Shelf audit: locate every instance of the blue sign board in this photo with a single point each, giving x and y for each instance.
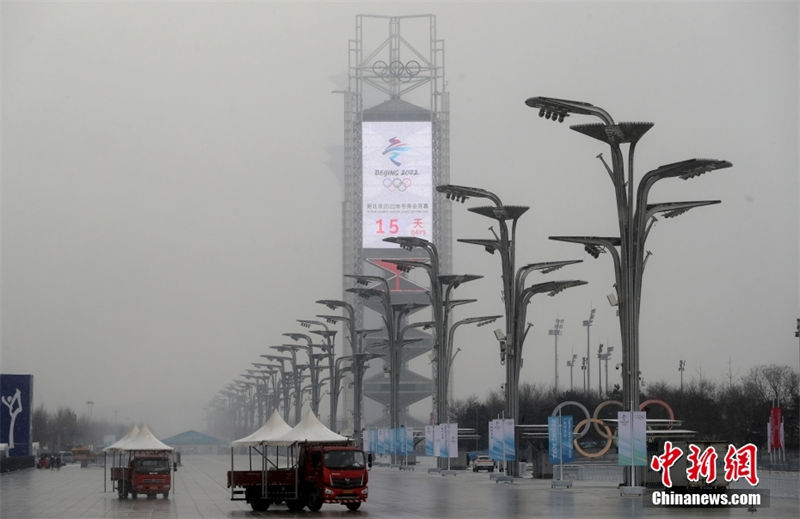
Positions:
(16, 401)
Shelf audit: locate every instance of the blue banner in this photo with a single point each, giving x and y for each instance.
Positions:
(496, 440)
(559, 432)
(501, 440)
(16, 401)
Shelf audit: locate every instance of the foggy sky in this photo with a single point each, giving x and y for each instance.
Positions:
(172, 183)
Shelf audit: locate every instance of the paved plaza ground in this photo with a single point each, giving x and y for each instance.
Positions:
(74, 492)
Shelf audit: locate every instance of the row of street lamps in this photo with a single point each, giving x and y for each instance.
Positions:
(636, 218)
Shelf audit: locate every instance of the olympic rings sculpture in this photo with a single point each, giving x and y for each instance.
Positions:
(598, 422)
(404, 72)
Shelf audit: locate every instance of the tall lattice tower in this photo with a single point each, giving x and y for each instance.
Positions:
(396, 137)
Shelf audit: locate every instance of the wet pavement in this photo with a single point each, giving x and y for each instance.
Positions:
(200, 492)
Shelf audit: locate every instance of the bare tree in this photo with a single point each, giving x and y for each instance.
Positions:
(775, 384)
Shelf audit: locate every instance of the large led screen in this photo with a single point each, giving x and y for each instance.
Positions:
(397, 181)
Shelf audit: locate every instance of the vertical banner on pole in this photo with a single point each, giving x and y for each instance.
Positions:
(497, 442)
(632, 434)
(437, 440)
(508, 440)
(452, 440)
(382, 434)
(625, 435)
(409, 442)
(567, 449)
(365, 440)
(559, 429)
(774, 429)
(441, 437)
(554, 439)
(640, 438)
(429, 440)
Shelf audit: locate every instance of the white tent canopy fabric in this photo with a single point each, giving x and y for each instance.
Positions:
(139, 439)
(272, 429)
(119, 444)
(310, 429)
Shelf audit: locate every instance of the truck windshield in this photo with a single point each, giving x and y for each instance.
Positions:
(344, 460)
(153, 465)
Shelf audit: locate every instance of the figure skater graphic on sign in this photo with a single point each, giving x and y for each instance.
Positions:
(14, 404)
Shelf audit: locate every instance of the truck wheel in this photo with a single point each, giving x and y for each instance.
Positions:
(133, 495)
(259, 505)
(295, 505)
(315, 500)
(166, 495)
(353, 506)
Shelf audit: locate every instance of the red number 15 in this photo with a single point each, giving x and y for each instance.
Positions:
(394, 227)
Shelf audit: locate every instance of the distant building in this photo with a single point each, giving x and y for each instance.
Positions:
(195, 442)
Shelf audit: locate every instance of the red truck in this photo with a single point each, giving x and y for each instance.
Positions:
(148, 472)
(321, 473)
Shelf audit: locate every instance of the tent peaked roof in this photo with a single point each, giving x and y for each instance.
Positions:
(144, 441)
(272, 429)
(310, 429)
(120, 444)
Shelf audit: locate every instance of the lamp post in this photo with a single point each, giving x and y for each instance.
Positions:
(350, 321)
(555, 332)
(330, 338)
(271, 371)
(409, 243)
(395, 358)
(504, 244)
(360, 366)
(635, 219)
(604, 357)
(312, 368)
(588, 324)
(584, 361)
(511, 342)
(248, 402)
(296, 370)
(287, 377)
(392, 317)
(449, 355)
(440, 293)
(681, 367)
(571, 364)
(260, 394)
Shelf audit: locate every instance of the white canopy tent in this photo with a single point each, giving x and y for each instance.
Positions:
(310, 429)
(138, 439)
(272, 429)
(119, 444)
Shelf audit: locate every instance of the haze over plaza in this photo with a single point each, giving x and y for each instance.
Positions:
(172, 181)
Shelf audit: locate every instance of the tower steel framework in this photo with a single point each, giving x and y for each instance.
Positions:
(395, 73)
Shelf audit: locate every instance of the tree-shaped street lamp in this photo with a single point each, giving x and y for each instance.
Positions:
(635, 219)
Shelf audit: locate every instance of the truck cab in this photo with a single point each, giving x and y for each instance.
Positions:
(148, 474)
(334, 474)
